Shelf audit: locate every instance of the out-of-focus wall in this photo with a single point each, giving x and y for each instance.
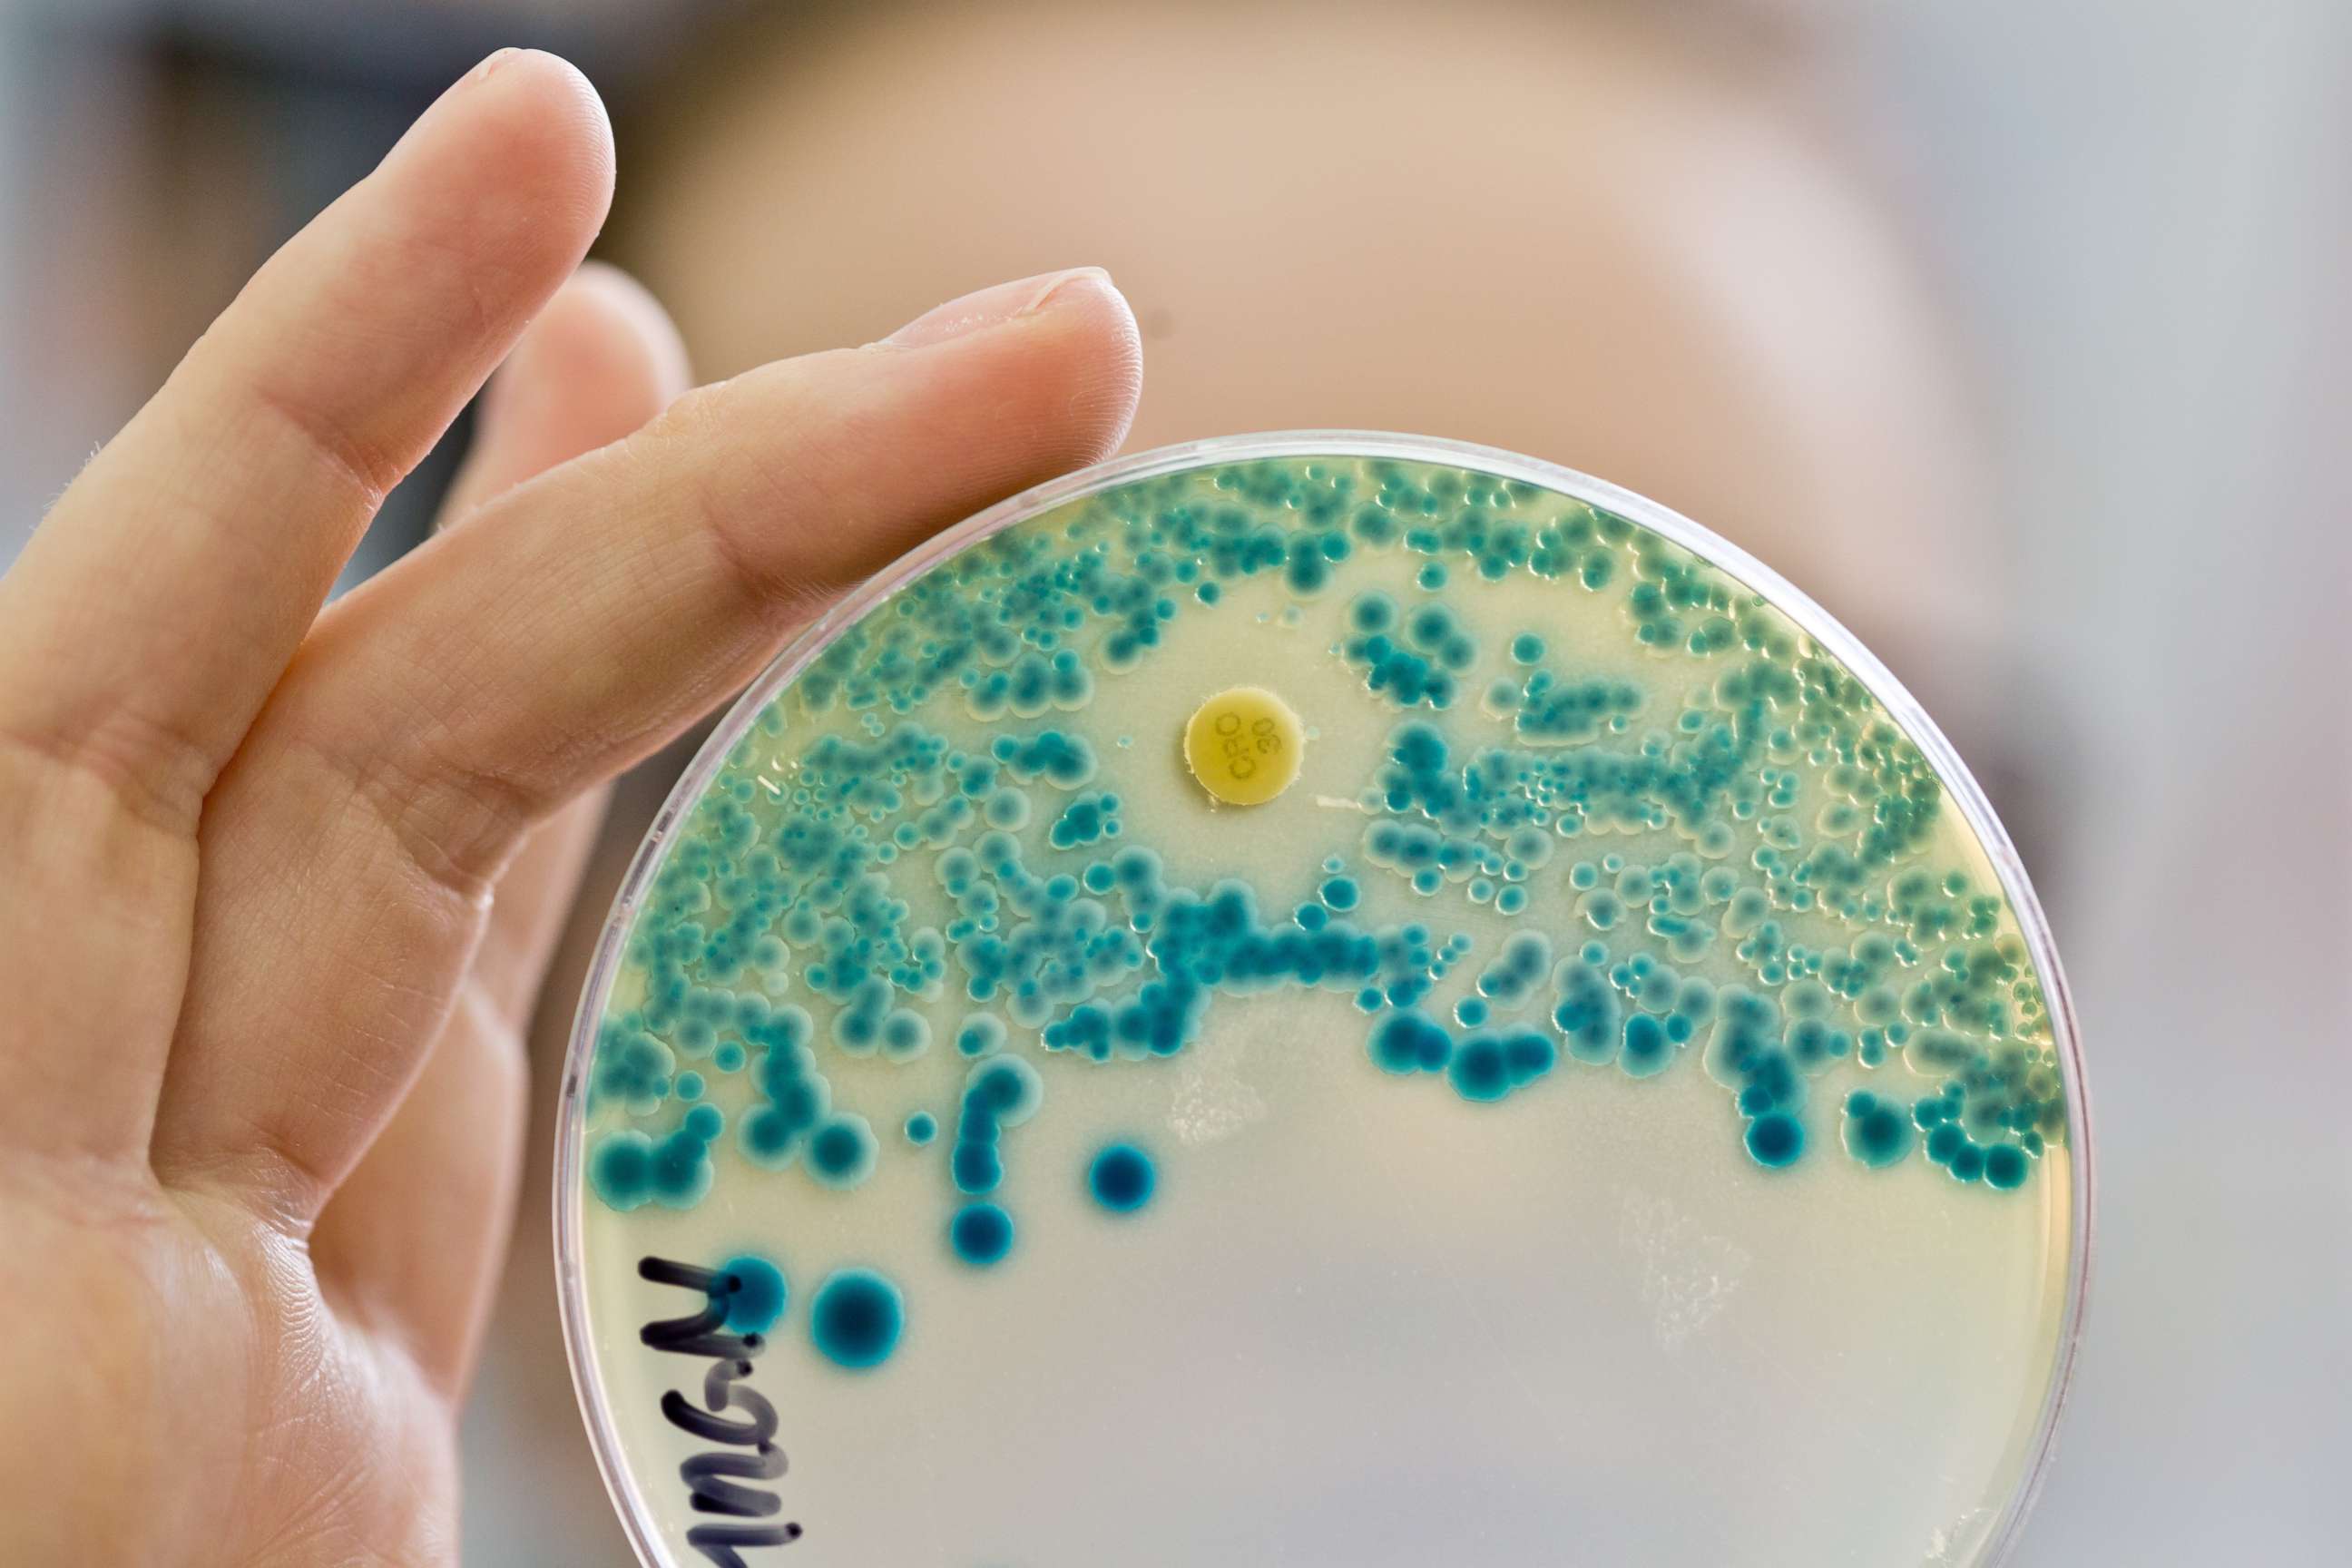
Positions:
(153, 152)
(2145, 211)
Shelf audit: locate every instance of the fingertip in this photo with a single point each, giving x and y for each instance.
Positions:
(599, 362)
(1104, 351)
(603, 349)
(624, 311)
(887, 447)
(553, 106)
(1057, 357)
(1066, 372)
(528, 126)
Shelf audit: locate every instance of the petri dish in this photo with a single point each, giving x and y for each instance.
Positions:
(1324, 998)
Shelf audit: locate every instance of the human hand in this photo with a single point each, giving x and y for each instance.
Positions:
(279, 883)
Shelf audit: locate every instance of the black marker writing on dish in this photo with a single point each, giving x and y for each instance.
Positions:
(717, 1480)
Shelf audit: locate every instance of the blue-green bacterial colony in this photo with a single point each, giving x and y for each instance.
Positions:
(756, 1294)
(1122, 1178)
(927, 846)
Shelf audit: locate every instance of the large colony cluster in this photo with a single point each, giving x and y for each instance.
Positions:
(1738, 858)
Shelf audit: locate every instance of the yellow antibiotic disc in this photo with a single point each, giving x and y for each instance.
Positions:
(1244, 745)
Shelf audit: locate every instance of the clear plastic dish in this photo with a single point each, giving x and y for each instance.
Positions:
(1324, 998)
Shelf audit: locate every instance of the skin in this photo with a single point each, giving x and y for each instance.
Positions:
(280, 881)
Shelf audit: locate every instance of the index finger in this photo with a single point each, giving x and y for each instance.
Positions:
(161, 599)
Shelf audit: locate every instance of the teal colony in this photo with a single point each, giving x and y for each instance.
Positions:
(1122, 1178)
(855, 1319)
(756, 1293)
(1756, 876)
(981, 1234)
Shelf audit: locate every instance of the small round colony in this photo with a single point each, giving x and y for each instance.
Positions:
(856, 1318)
(1121, 1178)
(755, 1293)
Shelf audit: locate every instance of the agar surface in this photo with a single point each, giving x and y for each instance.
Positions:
(938, 843)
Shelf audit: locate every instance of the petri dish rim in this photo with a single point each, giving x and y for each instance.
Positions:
(1817, 623)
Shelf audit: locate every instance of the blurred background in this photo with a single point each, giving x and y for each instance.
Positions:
(2019, 332)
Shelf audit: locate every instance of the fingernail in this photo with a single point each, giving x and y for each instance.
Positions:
(993, 307)
(474, 77)
(490, 65)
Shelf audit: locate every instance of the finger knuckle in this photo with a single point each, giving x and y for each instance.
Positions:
(448, 817)
(150, 770)
(761, 502)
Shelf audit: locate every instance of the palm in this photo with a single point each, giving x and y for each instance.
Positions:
(201, 1324)
(276, 885)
